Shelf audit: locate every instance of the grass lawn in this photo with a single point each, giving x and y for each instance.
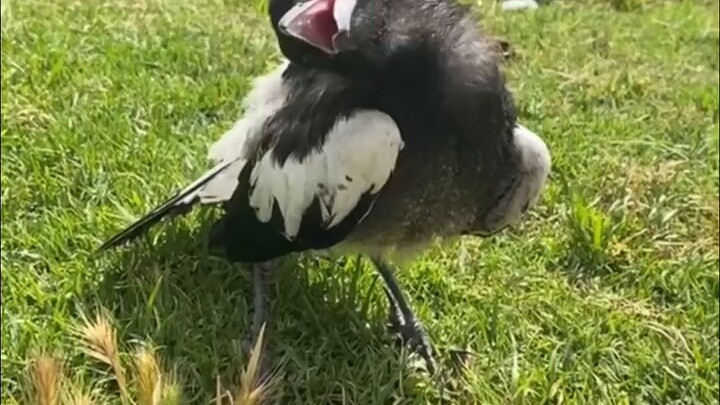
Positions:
(607, 293)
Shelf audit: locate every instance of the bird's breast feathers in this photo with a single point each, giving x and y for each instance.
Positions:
(356, 158)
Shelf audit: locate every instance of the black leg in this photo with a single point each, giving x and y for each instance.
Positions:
(261, 312)
(402, 319)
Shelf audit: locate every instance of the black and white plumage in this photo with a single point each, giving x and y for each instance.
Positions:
(278, 204)
(382, 132)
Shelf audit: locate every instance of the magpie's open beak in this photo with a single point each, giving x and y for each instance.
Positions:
(324, 24)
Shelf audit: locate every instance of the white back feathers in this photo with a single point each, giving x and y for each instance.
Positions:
(358, 156)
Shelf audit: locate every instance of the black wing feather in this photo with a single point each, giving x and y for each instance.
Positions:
(180, 203)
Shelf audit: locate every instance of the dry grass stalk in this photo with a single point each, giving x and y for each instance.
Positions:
(253, 391)
(45, 379)
(98, 338)
(218, 391)
(99, 341)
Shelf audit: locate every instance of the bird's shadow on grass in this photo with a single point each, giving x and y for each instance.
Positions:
(327, 330)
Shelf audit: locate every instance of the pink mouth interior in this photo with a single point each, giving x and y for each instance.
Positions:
(318, 26)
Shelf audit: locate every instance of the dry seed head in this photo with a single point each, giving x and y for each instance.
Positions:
(45, 379)
(149, 377)
(99, 341)
(253, 391)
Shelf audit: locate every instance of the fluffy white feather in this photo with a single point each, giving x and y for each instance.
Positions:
(536, 162)
(533, 170)
(358, 156)
(266, 96)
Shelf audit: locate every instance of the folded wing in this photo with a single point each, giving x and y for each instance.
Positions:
(273, 207)
(313, 201)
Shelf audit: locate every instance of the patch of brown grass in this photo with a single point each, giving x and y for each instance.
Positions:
(145, 383)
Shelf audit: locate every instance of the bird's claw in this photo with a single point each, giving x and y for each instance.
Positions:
(411, 333)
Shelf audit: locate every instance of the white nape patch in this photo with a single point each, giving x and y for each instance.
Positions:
(358, 156)
(267, 95)
(533, 170)
(342, 13)
(536, 160)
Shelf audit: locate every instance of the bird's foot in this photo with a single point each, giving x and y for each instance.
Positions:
(411, 333)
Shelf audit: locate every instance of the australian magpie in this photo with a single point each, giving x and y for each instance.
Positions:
(389, 125)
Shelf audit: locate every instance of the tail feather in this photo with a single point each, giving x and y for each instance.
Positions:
(179, 204)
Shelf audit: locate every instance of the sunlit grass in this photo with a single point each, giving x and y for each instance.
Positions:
(607, 293)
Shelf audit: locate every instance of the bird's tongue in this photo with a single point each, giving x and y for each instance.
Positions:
(312, 22)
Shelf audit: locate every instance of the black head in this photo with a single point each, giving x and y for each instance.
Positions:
(342, 35)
